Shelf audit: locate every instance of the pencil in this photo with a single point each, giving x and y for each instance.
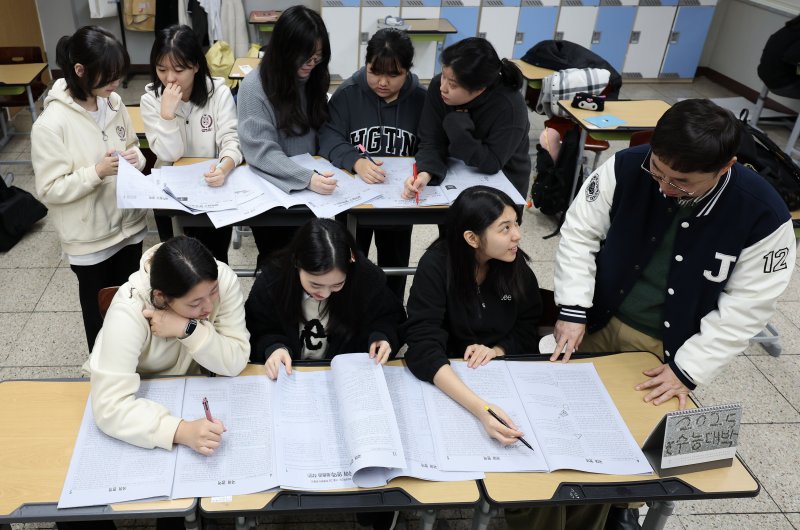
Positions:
(416, 193)
(495, 416)
(364, 152)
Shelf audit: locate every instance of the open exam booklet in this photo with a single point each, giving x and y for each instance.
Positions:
(357, 424)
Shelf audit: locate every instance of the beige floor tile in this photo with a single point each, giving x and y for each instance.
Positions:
(761, 401)
(245, 256)
(247, 284)
(785, 320)
(10, 326)
(50, 339)
(792, 292)
(794, 519)
(40, 372)
(41, 249)
(61, 293)
(772, 521)
(784, 374)
(22, 288)
(544, 271)
(639, 91)
(762, 503)
(773, 454)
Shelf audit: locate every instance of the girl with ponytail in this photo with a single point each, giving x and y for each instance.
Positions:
(474, 112)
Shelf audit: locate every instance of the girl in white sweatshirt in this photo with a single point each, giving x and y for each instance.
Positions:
(75, 145)
(181, 313)
(187, 113)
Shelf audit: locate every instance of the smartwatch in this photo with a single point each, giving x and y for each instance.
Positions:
(190, 327)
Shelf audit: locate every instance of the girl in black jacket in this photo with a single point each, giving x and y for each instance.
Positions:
(473, 297)
(320, 297)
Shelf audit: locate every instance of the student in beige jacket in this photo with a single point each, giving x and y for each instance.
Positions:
(187, 113)
(75, 145)
(181, 313)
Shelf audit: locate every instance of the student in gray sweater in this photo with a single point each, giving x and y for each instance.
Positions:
(281, 106)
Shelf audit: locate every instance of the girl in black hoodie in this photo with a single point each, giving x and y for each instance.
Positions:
(474, 112)
(320, 297)
(379, 107)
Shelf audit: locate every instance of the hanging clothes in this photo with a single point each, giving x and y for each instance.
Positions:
(234, 26)
(212, 8)
(102, 9)
(166, 13)
(199, 21)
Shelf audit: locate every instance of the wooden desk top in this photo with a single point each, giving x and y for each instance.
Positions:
(429, 25)
(236, 70)
(43, 419)
(638, 115)
(531, 72)
(136, 118)
(620, 373)
(425, 492)
(20, 74)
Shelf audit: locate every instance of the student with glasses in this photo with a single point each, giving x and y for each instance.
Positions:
(676, 249)
(282, 104)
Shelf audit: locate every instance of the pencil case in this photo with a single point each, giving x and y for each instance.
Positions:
(586, 101)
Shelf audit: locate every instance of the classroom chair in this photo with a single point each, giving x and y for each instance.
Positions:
(793, 136)
(16, 96)
(104, 297)
(562, 125)
(640, 138)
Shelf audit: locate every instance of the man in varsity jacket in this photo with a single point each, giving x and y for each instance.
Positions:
(673, 248)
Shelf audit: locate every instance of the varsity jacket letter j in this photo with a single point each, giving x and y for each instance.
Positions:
(724, 268)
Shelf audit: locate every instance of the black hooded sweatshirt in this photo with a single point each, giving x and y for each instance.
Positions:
(360, 116)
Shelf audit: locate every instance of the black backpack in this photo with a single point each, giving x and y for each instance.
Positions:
(758, 152)
(551, 188)
(19, 210)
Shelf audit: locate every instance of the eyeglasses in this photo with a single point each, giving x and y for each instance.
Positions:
(314, 60)
(665, 180)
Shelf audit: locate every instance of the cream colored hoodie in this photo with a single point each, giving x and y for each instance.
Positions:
(66, 143)
(207, 132)
(126, 349)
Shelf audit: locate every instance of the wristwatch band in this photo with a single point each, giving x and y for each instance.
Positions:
(190, 327)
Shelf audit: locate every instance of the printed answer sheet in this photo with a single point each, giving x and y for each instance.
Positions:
(397, 171)
(460, 177)
(349, 191)
(137, 190)
(187, 184)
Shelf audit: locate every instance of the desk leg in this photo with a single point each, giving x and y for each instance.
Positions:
(31, 103)
(190, 521)
(581, 146)
(658, 514)
(483, 514)
(244, 523)
(177, 227)
(793, 138)
(427, 519)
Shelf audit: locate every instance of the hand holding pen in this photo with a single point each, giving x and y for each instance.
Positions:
(203, 435)
(322, 182)
(368, 168)
(509, 434)
(416, 193)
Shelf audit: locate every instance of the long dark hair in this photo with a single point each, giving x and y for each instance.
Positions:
(181, 45)
(178, 265)
(389, 50)
(103, 58)
(475, 210)
(293, 42)
(476, 65)
(317, 247)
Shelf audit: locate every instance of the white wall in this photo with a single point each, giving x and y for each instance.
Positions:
(64, 17)
(738, 32)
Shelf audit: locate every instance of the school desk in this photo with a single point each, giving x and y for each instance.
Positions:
(20, 77)
(620, 373)
(260, 25)
(532, 74)
(236, 70)
(427, 35)
(41, 421)
(638, 115)
(138, 125)
(402, 493)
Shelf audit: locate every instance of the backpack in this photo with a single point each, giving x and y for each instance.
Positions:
(758, 152)
(550, 191)
(19, 210)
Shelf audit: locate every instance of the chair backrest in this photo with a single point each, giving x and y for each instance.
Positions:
(20, 54)
(640, 138)
(104, 297)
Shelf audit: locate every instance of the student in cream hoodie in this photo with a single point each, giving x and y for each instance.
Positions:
(75, 145)
(187, 113)
(181, 313)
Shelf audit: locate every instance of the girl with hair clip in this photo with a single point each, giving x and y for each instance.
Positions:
(180, 313)
(282, 104)
(74, 148)
(474, 112)
(186, 112)
(378, 107)
(473, 297)
(319, 297)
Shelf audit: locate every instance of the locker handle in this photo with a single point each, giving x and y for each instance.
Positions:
(520, 37)
(596, 37)
(364, 37)
(674, 37)
(635, 37)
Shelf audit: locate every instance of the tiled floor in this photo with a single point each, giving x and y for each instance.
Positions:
(41, 336)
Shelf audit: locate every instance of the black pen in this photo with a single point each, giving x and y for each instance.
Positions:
(495, 416)
(365, 153)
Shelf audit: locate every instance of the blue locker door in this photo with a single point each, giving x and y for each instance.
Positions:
(687, 40)
(465, 20)
(612, 32)
(536, 24)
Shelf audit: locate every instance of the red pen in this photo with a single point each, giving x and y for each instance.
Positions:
(416, 193)
(209, 417)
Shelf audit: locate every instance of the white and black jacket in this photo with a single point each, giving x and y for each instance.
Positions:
(730, 262)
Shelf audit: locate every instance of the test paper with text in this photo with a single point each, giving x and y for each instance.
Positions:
(188, 185)
(349, 191)
(136, 190)
(397, 171)
(460, 177)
